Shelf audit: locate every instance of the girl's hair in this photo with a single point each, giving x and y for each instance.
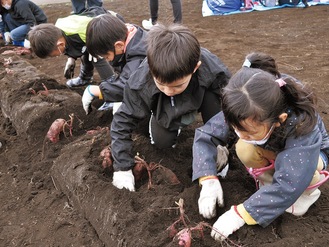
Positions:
(102, 33)
(172, 52)
(259, 60)
(254, 93)
(43, 39)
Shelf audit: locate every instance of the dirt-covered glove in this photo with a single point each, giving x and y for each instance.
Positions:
(124, 179)
(226, 224)
(211, 194)
(222, 157)
(69, 68)
(92, 59)
(87, 98)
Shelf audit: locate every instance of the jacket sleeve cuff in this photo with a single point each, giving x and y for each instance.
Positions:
(100, 95)
(245, 215)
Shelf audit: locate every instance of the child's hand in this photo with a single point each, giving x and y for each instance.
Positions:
(69, 68)
(226, 224)
(124, 180)
(87, 98)
(211, 194)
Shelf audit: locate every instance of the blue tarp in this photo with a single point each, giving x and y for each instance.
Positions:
(207, 11)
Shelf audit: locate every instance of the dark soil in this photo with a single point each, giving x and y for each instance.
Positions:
(57, 194)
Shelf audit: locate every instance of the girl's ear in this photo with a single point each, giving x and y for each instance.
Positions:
(282, 118)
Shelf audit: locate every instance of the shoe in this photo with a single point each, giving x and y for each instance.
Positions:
(77, 82)
(147, 24)
(303, 203)
(18, 43)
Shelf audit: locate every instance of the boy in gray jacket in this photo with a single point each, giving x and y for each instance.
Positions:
(177, 80)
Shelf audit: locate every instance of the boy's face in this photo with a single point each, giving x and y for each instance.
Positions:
(118, 51)
(59, 50)
(175, 87)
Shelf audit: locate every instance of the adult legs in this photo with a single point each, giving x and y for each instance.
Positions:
(93, 3)
(78, 6)
(177, 10)
(154, 7)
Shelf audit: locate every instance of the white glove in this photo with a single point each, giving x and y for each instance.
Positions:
(92, 59)
(226, 224)
(210, 195)
(7, 37)
(87, 98)
(124, 179)
(69, 68)
(222, 157)
(27, 44)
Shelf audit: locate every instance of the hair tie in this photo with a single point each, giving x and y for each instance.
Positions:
(246, 63)
(281, 82)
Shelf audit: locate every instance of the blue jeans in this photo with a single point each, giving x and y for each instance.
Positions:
(79, 6)
(18, 31)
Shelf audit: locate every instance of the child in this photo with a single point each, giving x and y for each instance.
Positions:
(18, 17)
(124, 45)
(282, 142)
(68, 36)
(174, 82)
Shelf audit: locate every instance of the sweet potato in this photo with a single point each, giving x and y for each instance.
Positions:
(55, 129)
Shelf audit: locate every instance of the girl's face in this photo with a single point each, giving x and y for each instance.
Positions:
(255, 131)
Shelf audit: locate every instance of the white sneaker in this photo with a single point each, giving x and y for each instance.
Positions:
(147, 24)
(303, 203)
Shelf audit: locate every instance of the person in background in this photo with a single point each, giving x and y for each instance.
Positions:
(18, 17)
(281, 140)
(154, 7)
(124, 46)
(79, 6)
(177, 80)
(68, 37)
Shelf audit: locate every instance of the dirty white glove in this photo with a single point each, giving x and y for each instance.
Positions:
(211, 194)
(92, 59)
(87, 98)
(124, 179)
(7, 37)
(69, 68)
(226, 224)
(222, 157)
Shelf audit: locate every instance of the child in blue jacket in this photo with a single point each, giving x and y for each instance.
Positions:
(282, 142)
